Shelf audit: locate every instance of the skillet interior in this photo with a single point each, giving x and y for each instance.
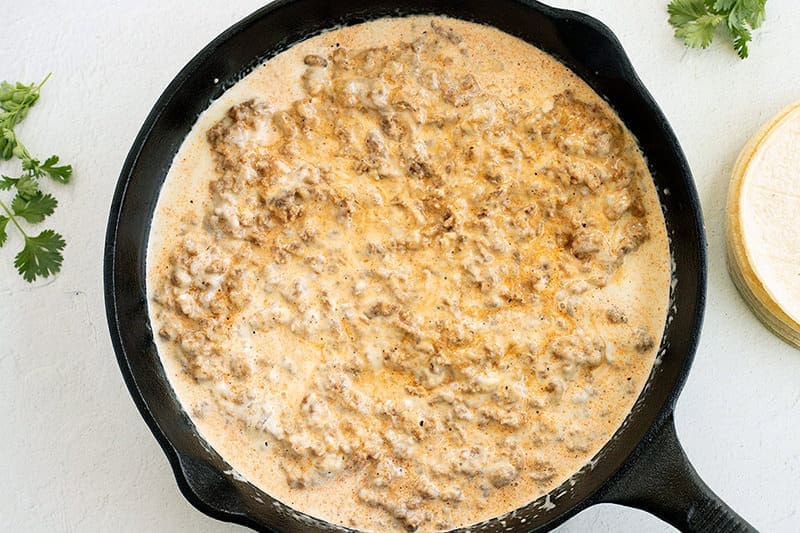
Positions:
(583, 44)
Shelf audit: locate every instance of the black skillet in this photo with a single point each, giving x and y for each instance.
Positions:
(642, 466)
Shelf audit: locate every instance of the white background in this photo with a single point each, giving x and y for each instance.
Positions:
(74, 453)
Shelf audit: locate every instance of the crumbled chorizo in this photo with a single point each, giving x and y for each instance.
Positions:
(643, 341)
(586, 243)
(313, 60)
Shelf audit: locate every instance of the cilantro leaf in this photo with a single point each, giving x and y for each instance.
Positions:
(757, 12)
(741, 36)
(7, 183)
(3, 233)
(724, 5)
(699, 33)
(682, 12)
(27, 186)
(41, 256)
(696, 21)
(35, 208)
(61, 174)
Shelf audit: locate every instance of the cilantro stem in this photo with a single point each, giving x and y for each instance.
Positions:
(13, 218)
(44, 81)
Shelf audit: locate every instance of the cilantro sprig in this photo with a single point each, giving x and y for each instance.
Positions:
(696, 21)
(41, 255)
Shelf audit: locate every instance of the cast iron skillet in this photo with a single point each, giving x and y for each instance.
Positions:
(642, 466)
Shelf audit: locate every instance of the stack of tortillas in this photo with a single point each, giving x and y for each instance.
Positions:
(763, 226)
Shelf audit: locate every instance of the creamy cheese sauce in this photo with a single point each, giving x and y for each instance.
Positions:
(409, 274)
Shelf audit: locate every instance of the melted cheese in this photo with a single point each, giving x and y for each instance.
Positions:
(408, 274)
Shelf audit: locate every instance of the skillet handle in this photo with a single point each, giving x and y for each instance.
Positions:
(662, 481)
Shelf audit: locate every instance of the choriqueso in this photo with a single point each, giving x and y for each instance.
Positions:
(409, 274)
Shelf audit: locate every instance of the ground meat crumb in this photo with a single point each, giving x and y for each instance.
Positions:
(315, 61)
(643, 341)
(615, 316)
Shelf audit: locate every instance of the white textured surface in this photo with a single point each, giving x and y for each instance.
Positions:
(76, 456)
